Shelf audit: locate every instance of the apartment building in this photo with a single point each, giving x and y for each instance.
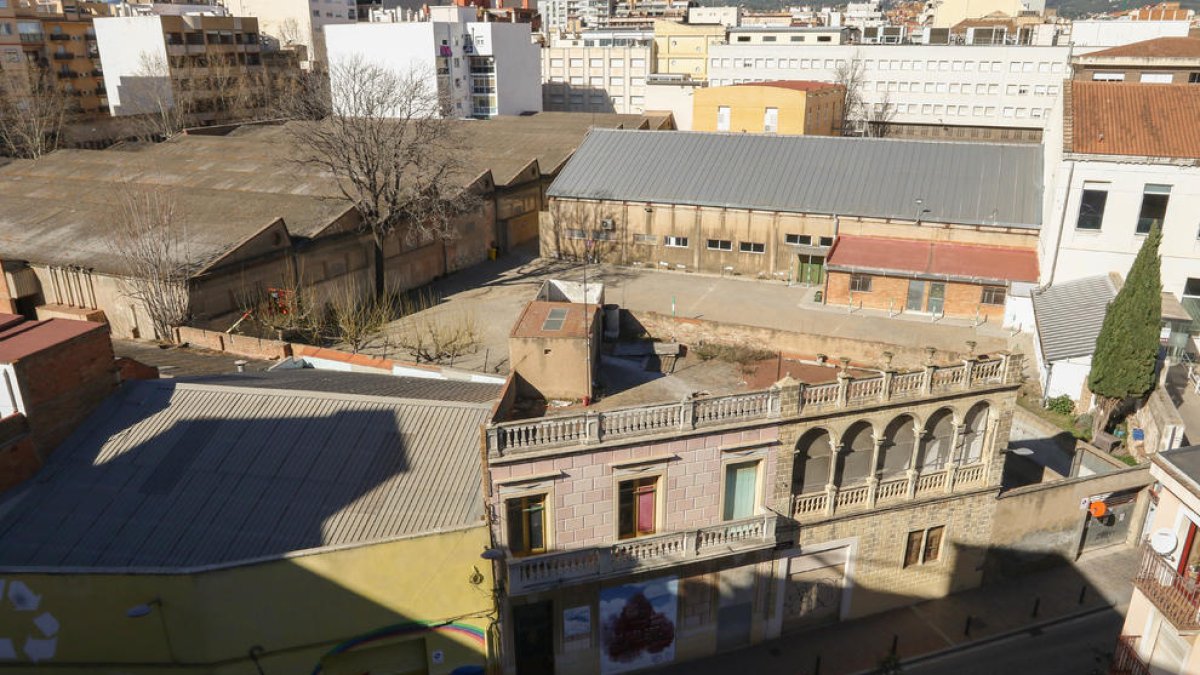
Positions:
(1102, 33)
(792, 107)
(54, 40)
(946, 13)
(991, 92)
(1158, 61)
(1123, 160)
(195, 61)
(892, 231)
(597, 72)
(478, 69)
(559, 16)
(789, 35)
(292, 24)
(631, 537)
(1159, 634)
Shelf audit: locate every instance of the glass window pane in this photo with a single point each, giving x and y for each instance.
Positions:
(1091, 209)
(516, 526)
(535, 514)
(645, 508)
(1154, 209)
(740, 484)
(625, 510)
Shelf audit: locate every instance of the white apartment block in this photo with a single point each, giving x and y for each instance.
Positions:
(938, 90)
(481, 69)
(560, 16)
(595, 79)
(290, 23)
(1117, 32)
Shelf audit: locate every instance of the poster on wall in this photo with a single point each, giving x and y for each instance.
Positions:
(577, 622)
(637, 625)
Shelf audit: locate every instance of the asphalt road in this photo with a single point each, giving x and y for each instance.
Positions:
(1079, 647)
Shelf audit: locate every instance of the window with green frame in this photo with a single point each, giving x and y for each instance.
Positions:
(741, 487)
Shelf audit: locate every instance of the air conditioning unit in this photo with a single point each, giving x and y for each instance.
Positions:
(608, 224)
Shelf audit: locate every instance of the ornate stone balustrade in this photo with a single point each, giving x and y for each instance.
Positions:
(645, 553)
(857, 498)
(506, 438)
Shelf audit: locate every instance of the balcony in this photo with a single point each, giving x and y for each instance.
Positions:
(561, 431)
(1176, 596)
(32, 38)
(63, 56)
(62, 37)
(855, 498)
(639, 555)
(1125, 659)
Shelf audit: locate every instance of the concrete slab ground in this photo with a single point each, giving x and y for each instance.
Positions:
(173, 361)
(492, 295)
(1097, 582)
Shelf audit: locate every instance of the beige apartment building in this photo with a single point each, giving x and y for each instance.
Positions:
(58, 38)
(609, 79)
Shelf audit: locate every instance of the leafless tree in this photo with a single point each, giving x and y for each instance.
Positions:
(860, 117)
(390, 150)
(880, 116)
(33, 109)
(439, 338)
(149, 242)
(162, 108)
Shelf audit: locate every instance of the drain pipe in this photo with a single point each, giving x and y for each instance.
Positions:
(1062, 225)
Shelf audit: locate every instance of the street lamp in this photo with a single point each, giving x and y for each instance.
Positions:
(143, 610)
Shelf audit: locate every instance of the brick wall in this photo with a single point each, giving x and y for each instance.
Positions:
(583, 511)
(240, 345)
(697, 331)
(18, 455)
(63, 384)
(891, 293)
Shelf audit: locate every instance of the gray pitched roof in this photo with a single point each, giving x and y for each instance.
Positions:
(968, 183)
(169, 475)
(1069, 316)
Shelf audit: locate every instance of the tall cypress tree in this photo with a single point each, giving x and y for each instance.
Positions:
(1127, 349)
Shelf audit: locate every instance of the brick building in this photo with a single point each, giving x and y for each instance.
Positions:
(721, 521)
(1165, 60)
(772, 207)
(55, 374)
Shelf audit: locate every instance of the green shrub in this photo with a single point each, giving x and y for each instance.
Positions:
(1063, 405)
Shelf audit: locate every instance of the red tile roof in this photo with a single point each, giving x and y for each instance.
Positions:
(934, 258)
(1140, 120)
(795, 85)
(1158, 48)
(25, 338)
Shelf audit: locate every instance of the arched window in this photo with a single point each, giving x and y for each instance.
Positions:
(854, 460)
(810, 469)
(974, 432)
(939, 434)
(896, 452)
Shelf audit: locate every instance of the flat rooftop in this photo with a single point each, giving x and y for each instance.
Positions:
(20, 338)
(545, 319)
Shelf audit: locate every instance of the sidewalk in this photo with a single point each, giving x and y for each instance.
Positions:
(938, 625)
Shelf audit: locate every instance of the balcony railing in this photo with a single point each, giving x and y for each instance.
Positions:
(505, 438)
(865, 496)
(1176, 596)
(644, 553)
(1125, 659)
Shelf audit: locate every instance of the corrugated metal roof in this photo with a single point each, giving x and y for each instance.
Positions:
(968, 183)
(174, 475)
(1069, 316)
(366, 384)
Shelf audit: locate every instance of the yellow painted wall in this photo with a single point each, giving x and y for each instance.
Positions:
(682, 49)
(800, 112)
(296, 610)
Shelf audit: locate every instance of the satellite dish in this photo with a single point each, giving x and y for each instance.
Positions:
(1163, 542)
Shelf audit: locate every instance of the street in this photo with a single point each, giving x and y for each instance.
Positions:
(1079, 647)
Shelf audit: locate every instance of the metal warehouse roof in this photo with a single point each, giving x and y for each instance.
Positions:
(1069, 316)
(967, 183)
(169, 475)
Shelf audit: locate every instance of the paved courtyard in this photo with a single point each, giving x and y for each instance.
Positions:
(492, 295)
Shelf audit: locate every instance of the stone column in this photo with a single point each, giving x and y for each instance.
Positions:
(873, 476)
(913, 471)
(831, 489)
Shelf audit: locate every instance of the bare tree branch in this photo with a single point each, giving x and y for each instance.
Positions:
(149, 241)
(390, 151)
(33, 109)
